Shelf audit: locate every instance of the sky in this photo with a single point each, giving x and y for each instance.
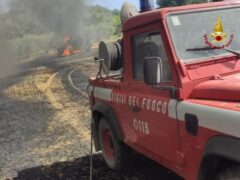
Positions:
(114, 4)
(110, 4)
(2, 5)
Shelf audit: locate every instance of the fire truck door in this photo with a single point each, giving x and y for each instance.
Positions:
(154, 130)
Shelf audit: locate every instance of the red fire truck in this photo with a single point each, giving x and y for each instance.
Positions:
(170, 89)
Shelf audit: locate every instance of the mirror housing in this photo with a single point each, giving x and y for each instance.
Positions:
(152, 70)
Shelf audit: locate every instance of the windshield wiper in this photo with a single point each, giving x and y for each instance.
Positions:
(210, 48)
(200, 49)
(234, 52)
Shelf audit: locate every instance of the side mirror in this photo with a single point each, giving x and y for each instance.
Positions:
(152, 70)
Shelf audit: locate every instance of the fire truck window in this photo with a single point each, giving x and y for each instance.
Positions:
(149, 45)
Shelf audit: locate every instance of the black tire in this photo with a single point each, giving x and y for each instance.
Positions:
(115, 153)
(232, 173)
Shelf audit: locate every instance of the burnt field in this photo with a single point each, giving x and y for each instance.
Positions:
(44, 124)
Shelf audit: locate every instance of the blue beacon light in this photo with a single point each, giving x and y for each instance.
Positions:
(146, 5)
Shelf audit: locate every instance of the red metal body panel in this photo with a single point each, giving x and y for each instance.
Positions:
(193, 148)
(210, 70)
(164, 138)
(225, 88)
(228, 105)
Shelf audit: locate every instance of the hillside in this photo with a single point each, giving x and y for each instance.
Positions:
(27, 35)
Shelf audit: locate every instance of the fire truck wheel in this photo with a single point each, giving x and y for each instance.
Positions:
(115, 153)
(232, 173)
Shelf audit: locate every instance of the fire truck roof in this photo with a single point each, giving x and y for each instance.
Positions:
(152, 16)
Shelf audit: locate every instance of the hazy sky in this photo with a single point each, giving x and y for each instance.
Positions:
(111, 4)
(115, 4)
(2, 4)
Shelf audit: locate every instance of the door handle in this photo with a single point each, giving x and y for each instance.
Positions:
(135, 109)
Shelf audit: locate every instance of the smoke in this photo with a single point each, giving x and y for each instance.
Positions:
(64, 17)
(8, 63)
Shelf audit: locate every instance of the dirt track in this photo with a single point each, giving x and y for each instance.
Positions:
(44, 124)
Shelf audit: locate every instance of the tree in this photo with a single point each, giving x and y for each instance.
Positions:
(167, 3)
(195, 1)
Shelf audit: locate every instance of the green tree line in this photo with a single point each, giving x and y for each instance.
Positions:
(18, 24)
(167, 3)
(27, 36)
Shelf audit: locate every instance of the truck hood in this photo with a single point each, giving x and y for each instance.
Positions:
(226, 88)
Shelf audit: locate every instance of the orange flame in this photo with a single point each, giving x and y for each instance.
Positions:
(67, 51)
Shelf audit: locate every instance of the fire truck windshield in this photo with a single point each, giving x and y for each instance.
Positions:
(217, 29)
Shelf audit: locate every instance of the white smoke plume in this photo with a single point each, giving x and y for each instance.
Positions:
(7, 58)
(64, 17)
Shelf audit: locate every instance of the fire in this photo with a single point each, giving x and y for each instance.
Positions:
(67, 51)
(68, 47)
